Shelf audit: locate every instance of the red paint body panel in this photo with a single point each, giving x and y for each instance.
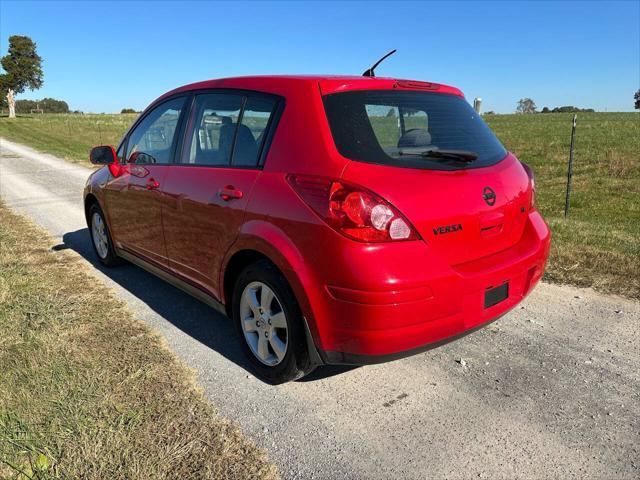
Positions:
(431, 198)
(359, 299)
(199, 225)
(134, 210)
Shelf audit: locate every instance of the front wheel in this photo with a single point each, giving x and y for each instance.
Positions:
(270, 324)
(100, 237)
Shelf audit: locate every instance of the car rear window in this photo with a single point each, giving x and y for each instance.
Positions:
(396, 127)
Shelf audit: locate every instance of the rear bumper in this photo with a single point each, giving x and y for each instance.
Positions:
(346, 358)
(425, 304)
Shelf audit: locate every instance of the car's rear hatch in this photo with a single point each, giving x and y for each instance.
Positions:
(453, 211)
(465, 207)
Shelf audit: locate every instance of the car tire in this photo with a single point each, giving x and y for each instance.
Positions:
(272, 333)
(101, 237)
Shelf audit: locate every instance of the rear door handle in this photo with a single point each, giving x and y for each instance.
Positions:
(229, 192)
(152, 184)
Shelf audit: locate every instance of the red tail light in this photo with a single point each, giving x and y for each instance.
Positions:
(532, 180)
(352, 210)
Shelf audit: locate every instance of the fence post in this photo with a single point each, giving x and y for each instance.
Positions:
(570, 169)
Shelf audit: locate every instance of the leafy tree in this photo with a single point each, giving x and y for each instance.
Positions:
(391, 113)
(526, 105)
(127, 110)
(23, 69)
(545, 110)
(636, 97)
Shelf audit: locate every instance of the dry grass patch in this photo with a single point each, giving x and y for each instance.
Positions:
(87, 391)
(617, 164)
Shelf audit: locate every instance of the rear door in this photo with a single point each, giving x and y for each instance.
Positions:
(134, 198)
(206, 191)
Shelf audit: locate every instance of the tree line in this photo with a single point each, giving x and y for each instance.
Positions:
(46, 105)
(527, 105)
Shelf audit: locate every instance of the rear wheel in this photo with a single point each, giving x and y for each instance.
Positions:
(100, 237)
(270, 324)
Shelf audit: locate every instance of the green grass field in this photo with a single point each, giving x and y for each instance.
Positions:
(67, 136)
(598, 246)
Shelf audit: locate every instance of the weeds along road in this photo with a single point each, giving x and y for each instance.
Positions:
(550, 390)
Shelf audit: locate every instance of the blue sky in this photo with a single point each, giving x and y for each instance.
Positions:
(103, 56)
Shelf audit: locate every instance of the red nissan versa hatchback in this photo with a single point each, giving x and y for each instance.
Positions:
(336, 220)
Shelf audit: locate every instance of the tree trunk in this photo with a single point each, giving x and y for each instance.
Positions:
(12, 104)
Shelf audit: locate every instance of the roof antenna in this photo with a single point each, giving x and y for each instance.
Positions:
(370, 72)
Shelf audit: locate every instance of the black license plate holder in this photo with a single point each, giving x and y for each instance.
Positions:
(495, 295)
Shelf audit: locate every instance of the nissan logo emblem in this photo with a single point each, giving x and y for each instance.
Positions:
(489, 196)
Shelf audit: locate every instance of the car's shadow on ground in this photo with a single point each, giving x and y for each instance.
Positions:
(193, 317)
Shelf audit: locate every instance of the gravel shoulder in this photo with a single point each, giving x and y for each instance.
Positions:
(550, 390)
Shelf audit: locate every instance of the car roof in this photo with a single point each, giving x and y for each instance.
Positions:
(328, 84)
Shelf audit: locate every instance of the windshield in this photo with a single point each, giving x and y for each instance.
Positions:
(395, 128)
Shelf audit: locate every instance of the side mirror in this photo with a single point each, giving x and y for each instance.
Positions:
(103, 155)
(141, 158)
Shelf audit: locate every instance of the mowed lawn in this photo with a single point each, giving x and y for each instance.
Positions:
(68, 136)
(597, 246)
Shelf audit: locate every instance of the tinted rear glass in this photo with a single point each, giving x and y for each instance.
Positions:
(394, 127)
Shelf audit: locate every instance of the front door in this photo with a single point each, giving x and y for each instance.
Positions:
(133, 199)
(207, 190)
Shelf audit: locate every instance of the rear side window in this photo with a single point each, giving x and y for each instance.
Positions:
(228, 129)
(398, 127)
(210, 140)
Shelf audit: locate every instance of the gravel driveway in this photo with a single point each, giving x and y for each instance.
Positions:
(550, 390)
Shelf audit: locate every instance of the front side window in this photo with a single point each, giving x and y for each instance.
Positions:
(152, 139)
(120, 153)
(411, 129)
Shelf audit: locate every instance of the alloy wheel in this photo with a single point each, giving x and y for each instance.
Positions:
(264, 323)
(99, 234)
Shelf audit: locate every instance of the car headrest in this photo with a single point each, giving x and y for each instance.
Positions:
(416, 137)
(246, 149)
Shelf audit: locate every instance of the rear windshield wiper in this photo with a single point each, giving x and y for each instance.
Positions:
(461, 155)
